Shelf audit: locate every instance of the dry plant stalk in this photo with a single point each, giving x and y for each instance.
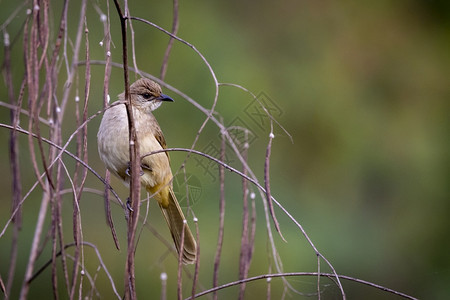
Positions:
(133, 214)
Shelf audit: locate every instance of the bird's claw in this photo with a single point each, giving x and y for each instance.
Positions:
(129, 205)
(141, 172)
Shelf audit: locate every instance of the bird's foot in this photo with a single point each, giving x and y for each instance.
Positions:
(129, 204)
(141, 172)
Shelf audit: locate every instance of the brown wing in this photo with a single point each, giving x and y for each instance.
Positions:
(161, 140)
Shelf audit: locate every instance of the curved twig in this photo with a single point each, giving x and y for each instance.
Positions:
(329, 275)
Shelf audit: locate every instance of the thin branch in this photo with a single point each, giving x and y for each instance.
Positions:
(34, 246)
(175, 26)
(210, 112)
(16, 109)
(272, 119)
(14, 164)
(297, 274)
(267, 182)
(130, 288)
(245, 255)
(262, 189)
(32, 94)
(62, 150)
(3, 288)
(180, 264)
(221, 217)
(197, 256)
(163, 278)
(35, 275)
(79, 234)
(75, 59)
(13, 15)
(107, 42)
(107, 204)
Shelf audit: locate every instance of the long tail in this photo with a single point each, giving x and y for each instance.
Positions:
(175, 217)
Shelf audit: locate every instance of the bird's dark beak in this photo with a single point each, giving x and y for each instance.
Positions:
(163, 97)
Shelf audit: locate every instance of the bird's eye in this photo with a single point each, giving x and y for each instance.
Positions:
(146, 96)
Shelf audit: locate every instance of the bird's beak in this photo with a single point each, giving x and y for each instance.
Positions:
(163, 97)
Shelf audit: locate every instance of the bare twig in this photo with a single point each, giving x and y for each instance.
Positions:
(107, 203)
(180, 264)
(35, 275)
(130, 288)
(175, 24)
(221, 217)
(269, 287)
(197, 258)
(3, 288)
(267, 182)
(272, 119)
(30, 65)
(107, 43)
(245, 256)
(256, 183)
(13, 15)
(297, 274)
(34, 246)
(62, 150)
(14, 164)
(209, 113)
(163, 278)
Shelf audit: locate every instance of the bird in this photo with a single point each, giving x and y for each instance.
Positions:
(156, 175)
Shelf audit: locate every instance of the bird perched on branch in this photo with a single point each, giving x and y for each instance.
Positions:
(156, 175)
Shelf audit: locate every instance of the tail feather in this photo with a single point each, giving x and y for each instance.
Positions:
(174, 217)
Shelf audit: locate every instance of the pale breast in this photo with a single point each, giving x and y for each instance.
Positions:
(112, 140)
(113, 146)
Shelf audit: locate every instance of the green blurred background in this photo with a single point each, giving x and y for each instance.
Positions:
(362, 87)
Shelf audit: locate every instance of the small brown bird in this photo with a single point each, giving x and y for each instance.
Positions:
(156, 176)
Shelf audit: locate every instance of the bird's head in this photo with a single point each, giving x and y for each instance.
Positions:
(147, 95)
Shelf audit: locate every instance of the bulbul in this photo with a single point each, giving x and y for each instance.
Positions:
(156, 175)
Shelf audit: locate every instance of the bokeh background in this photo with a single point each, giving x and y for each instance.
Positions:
(362, 87)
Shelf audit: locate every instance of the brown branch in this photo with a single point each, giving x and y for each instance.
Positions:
(14, 164)
(107, 203)
(32, 92)
(31, 45)
(3, 288)
(209, 113)
(81, 152)
(41, 269)
(180, 264)
(245, 253)
(197, 260)
(298, 274)
(107, 42)
(75, 60)
(175, 26)
(221, 217)
(267, 184)
(62, 150)
(58, 110)
(130, 285)
(34, 246)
